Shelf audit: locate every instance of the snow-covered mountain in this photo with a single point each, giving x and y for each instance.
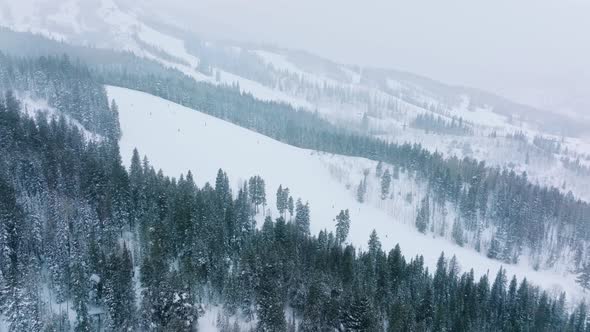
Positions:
(385, 104)
(501, 132)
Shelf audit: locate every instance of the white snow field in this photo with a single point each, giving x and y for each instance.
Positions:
(177, 139)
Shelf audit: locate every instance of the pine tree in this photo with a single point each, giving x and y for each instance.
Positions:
(498, 297)
(291, 207)
(120, 295)
(365, 123)
(583, 278)
(498, 246)
(423, 216)
(136, 188)
(342, 226)
(374, 244)
(361, 191)
(385, 184)
(182, 312)
(360, 316)
(379, 169)
(425, 311)
(257, 191)
(271, 315)
(222, 188)
(302, 217)
(115, 130)
(80, 290)
(282, 200)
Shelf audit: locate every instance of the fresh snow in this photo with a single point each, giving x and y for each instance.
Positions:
(177, 139)
(262, 92)
(209, 320)
(282, 64)
(279, 62)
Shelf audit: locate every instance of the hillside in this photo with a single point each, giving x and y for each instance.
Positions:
(161, 129)
(166, 253)
(279, 190)
(502, 187)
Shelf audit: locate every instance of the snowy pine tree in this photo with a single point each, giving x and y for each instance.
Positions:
(385, 184)
(342, 225)
(302, 217)
(423, 215)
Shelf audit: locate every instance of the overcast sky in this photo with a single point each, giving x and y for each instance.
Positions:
(535, 51)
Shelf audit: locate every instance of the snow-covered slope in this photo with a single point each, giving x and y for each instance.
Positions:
(178, 139)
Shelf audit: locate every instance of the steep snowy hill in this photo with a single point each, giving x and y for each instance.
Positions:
(178, 139)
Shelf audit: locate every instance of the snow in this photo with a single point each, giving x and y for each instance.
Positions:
(355, 77)
(481, 116)
(177, 139)
(3, 324)
(25, 16)
(281, 63)
(69, 9)
(208, 321)
(95, 278)
(262, 92)
(169, 44)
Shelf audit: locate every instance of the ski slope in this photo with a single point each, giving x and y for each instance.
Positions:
(177, 139)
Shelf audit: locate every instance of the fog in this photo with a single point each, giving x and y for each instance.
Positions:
(533, 51)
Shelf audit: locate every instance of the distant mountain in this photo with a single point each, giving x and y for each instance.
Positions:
(385, 103)
(110, 24)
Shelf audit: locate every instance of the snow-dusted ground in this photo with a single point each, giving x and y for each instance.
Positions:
(177, 139)
(209, 321)
(3, 324)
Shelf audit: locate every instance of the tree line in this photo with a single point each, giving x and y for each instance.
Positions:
(524, 218)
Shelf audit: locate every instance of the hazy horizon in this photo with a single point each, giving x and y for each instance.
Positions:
(534, 52)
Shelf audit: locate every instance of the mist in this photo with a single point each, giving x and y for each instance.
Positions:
(535, 52)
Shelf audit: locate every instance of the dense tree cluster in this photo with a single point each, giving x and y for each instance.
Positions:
(440, 125)
(548, 145)
(576, 166)
(65, 86)
(62, 205)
